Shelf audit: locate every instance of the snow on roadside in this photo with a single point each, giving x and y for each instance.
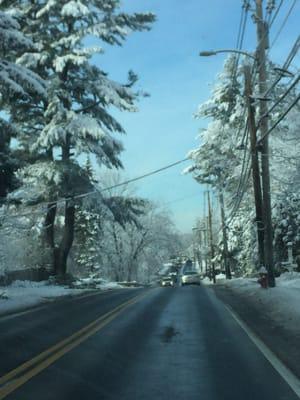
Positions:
(24, 294)
(281, 302)
(97, 283)
(106, 285)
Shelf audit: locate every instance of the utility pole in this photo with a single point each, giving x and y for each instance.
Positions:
(262, 38)
(212, 252)
(224, 232)
(207, 264)
(201, 252)
(255, 166)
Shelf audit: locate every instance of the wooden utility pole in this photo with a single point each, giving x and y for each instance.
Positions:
(262, 38)
(224, 232)
(255, 166)
(212, 252)
(200, 251)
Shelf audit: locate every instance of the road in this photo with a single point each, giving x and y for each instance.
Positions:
(136, 344)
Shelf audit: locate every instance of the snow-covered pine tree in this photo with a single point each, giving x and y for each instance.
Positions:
(76, 119)
(218, 161)
(286, 184)
(17, 83)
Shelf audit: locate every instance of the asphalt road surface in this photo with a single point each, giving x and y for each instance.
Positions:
(136, 344)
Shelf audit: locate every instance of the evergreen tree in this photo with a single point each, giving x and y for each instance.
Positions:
(75, 119)
(17, 83)
(219, 162)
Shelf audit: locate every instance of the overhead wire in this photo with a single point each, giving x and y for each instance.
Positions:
(240, 198)
(283, 23)
(44, 206)
(245, 173)
(244, 140)
(283, 115)
(241, 35)
(282, 97)
(244, 178)
(275, 14)
(285, 65)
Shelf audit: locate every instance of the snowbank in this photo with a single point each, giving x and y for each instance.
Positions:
(220, 278)
(23, 294)
(97, 283)
(282, 302)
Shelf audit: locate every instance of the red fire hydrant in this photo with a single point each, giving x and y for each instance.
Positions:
(263, 278)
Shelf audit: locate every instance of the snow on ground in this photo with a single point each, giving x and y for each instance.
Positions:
(282, 302)
(97, 283)
(24, 294)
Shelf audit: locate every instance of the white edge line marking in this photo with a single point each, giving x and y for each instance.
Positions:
(289, 377)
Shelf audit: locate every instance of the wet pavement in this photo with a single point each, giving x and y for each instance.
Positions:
(174, 343)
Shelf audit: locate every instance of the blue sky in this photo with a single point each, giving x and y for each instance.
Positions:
(167, 62)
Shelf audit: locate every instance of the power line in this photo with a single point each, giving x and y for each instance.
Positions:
(241, 35)
(147, 174)
(280, 119)
(276, 13)
(98, 191)
(283, 23)
(282, 97)
(240, 198)
(245, 142)
(286, 64)
(244, 179)
(180, 199)
(240, 27)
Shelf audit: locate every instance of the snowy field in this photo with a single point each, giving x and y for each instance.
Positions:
(281, 302)
(24, 294)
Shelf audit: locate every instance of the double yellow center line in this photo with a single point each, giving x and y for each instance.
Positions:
(20, 375)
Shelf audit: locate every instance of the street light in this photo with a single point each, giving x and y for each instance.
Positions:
(215, 52)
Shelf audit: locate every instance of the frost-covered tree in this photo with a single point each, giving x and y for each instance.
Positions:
(17, 84)
(219, 162)
(16, 81)
(137, 252)
(75, 120)
(286, 185)
(88, 232)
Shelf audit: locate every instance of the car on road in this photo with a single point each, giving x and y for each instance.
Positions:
(167, 281)
(190, 278)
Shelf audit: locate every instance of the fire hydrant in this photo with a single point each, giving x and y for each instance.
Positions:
(263, 277)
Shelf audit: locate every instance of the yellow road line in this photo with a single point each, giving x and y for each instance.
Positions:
(57, 346)
(11, 382)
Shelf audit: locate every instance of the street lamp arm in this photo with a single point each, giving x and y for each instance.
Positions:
(214, 52)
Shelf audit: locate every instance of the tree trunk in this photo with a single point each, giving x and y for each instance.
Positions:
(49, 229)
(49, 224)
(66, 242)
(224, 232)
